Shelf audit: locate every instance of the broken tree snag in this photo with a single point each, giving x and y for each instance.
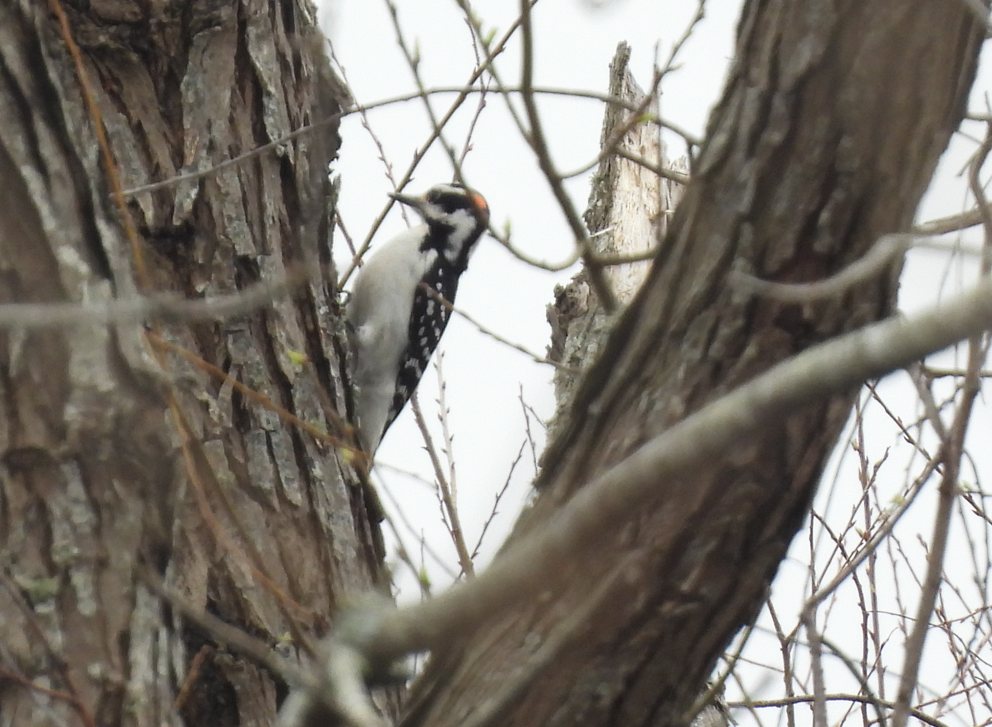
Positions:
(628, 213)
(810, 157)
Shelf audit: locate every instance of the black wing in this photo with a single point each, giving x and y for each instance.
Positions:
(428, 320)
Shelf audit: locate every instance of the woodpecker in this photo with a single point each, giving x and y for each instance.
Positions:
(395, 323)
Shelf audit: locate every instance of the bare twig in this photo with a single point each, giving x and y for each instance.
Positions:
(540, 146)
(865, 687)
(806, 699)
(7, 675)
(499, 496)
(715, 690)
(367, 125)
(442, 415)
(785, 644)
(488, 331)
(260, 399)
(888, 520)
(449, 509)
(413, 61)
(424, 545)
(201, 477)
(233, 637)
(450, 496)
(952, 223)
(192, 675)
(484, 89)
(419, 574)
(177, 179)
(163, 306)
(339, 222)
(110, 166)
(528, 412)
(808, 619)
(936, 372)
(870, 265)
(683, 39)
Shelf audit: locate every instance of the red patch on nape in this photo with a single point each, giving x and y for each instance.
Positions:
(480, 205)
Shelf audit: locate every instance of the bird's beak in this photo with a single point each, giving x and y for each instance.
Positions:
(408, 199)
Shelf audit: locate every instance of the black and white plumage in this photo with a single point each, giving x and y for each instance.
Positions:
(396, 324)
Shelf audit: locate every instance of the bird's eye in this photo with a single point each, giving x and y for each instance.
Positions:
(447, 202)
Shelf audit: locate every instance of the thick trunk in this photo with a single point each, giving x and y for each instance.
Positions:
(826, 137)
(94, 466)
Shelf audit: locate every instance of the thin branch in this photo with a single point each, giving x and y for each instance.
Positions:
(528, 412)
(450, 495)
(951, 223)
(166, 307)
(424, 545)
(934, 372)
(442, 415)
(231, 636)
(785, 645)
(868, 266)
(865, 687)
(808, 619)
(715, 690)
(177, 179)
(367, 125)
(683, 39)
(482, 96)
(540, 146)
(806, 699)
(262, 400)
(444, 492)
(7, 675)
(201, 474)
(491, 333)
(499, 496)
(413, 61)
(192, 675)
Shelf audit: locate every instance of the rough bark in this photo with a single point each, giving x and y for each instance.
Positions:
(827, 134)
(93, 482)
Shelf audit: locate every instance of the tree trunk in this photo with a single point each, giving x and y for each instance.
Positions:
(250, 518)
(827, 134)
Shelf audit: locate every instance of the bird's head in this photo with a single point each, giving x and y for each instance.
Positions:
(456, 217)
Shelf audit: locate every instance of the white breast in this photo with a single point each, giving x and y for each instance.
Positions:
(379, 314)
